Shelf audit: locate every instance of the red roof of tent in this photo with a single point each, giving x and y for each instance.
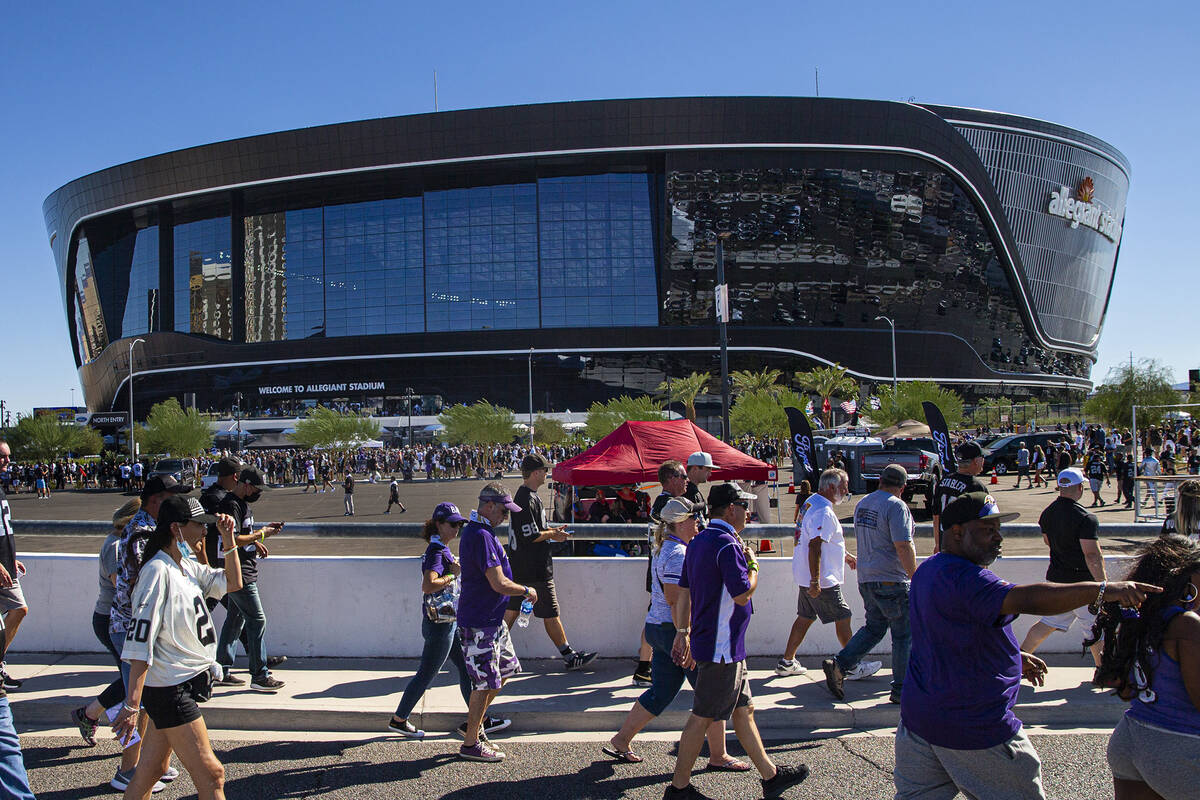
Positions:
(633, 452)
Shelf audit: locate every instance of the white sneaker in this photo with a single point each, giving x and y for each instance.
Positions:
(792, 667)
(864, 669)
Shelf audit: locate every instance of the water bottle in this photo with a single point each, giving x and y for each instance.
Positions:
(526, 611)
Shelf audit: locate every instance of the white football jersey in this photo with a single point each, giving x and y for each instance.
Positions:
(171, 630)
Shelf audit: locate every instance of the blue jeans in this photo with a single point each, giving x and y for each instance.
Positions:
(887, 607)
(14, 782)
(244, 610)
(115, 691)
(441, 640)
(666, 677)
(118, 642)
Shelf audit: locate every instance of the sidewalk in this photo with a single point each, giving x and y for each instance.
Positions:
(350, 695)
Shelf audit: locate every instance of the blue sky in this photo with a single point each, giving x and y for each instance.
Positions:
(84, 86)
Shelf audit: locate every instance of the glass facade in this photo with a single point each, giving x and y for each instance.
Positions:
(90, 329)
(141, 303)
(204, 278)
(116, 280)
(834, 248)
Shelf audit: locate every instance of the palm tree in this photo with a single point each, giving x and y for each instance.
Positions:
(685, 390)
(828, 382)
(745, 381)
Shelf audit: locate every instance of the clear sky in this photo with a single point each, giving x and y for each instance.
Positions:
(87, 85)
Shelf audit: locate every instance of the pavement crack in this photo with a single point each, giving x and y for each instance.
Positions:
(845, 744)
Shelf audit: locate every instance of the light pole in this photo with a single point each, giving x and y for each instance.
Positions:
(722, 305)
(72, 398)
(408, 392)
(531, 398)
(889, 321)
(132, 454)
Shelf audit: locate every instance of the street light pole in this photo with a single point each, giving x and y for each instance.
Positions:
(889, 321)
(408, 394)
(531, 398)
(132, 453)
(722, 319)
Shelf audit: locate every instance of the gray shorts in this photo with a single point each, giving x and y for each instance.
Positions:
(1164, 761)
(829, 607)
(720, 688)
(12, 598)
(1008, 771)
(1094, 485)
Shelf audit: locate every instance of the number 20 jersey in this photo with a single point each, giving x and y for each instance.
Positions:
(171, 630)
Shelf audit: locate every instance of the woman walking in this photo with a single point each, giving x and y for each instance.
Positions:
(439, 626)
(172, 647)
(1186, 519)
(1152, 658)
(679, 523)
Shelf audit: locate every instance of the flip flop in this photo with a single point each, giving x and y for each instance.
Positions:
(628, 756)
(728, 766)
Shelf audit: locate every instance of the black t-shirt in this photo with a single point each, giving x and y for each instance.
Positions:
(692, 492)
(1128, 470)
(211, 499)
(237, 508)
(8, 545)
(1065, 523)
(531, 561)
(951, 486)
(1064, 460)
(1096, 468)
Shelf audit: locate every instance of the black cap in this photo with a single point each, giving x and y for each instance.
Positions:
(534, 461)
(724, 494)
(973, 505)
(252, 476)
(228, 465)
(969, 450)
(183, 509)
(163, 483)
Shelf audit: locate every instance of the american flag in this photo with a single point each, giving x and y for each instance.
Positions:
(876, 403)
(849, 406)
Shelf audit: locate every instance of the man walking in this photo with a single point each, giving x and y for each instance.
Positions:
(883, 528)
(533, 562)
(970, 464)
(348, 488)
(700, 468)
(1126, 471)
(12, 599)
(487, 583)
(1023, 466)
(1097, 471)
(1071, 532)
(711, 616)
(957, 727)
(394, 497)
(819, 567)
(245, 605)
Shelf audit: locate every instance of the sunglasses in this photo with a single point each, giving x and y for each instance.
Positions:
(741, 503)
(696, 515)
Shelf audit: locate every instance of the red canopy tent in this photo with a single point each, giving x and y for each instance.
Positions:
(633, 452)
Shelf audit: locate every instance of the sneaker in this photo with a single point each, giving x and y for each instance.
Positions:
(265, 683)
(864, 669)
(406, 729)
(788, 666)
(275, 661)
(834, 678)
(641, 675)
(121, 780)
(688, 792)
(170, 775)
(482, 751)
(229, 679)
(87, 727)
(490, 725)
(578, 659)
(9, 681)
(786, 776)
(894, 697)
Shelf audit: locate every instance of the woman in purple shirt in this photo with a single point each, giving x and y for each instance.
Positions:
(1152, 658)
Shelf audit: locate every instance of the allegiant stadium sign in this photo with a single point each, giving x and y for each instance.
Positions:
(1080, 210)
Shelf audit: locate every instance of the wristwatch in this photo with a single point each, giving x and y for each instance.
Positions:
(684, 631)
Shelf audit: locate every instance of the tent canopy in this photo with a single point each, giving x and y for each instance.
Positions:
(633, 452)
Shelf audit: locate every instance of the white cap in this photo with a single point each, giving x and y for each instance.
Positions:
(701, 459)
(1069, 477)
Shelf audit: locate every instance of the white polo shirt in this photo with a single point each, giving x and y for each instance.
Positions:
(820, 521)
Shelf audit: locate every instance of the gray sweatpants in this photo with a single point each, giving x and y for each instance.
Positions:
(924, 771)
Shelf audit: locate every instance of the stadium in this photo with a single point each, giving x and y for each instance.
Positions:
(452, 254)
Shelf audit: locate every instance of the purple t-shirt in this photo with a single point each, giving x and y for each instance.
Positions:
(714, 572)
(437, 559)
(964, 671)
(478, 551)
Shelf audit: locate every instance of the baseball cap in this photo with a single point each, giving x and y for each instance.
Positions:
(894, 475)
(973, 505)
(163, 483)
(534, 461)
(183, 509)
(1069, 477)
(447, 512)
(252, 476)
(969, 450)
(228, 465)
(502, 497)
(677, 509)
(701, 459)
(725, 493)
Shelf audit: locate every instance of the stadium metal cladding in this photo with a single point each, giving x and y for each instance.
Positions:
(435, 250)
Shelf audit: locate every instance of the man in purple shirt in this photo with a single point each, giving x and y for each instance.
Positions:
(486, 586)
(957, 728)
(711, 616)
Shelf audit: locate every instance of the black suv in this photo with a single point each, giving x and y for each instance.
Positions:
(1002, 455)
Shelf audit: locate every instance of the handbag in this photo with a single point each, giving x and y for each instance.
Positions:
(441, 606)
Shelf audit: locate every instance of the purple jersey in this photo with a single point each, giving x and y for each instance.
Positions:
(714, 572)
(479, 606)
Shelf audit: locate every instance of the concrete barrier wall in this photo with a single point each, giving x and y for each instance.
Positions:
(371, 607)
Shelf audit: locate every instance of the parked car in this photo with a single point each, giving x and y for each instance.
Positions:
(1001, 457)
(210, 477)
(920, 460)
(182, 469)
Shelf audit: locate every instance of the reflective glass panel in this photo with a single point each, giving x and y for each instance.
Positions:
(285, 293)
(141, 303)
(90, 329)
(203, 278)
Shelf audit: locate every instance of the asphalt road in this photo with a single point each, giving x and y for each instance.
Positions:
(851, 767)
